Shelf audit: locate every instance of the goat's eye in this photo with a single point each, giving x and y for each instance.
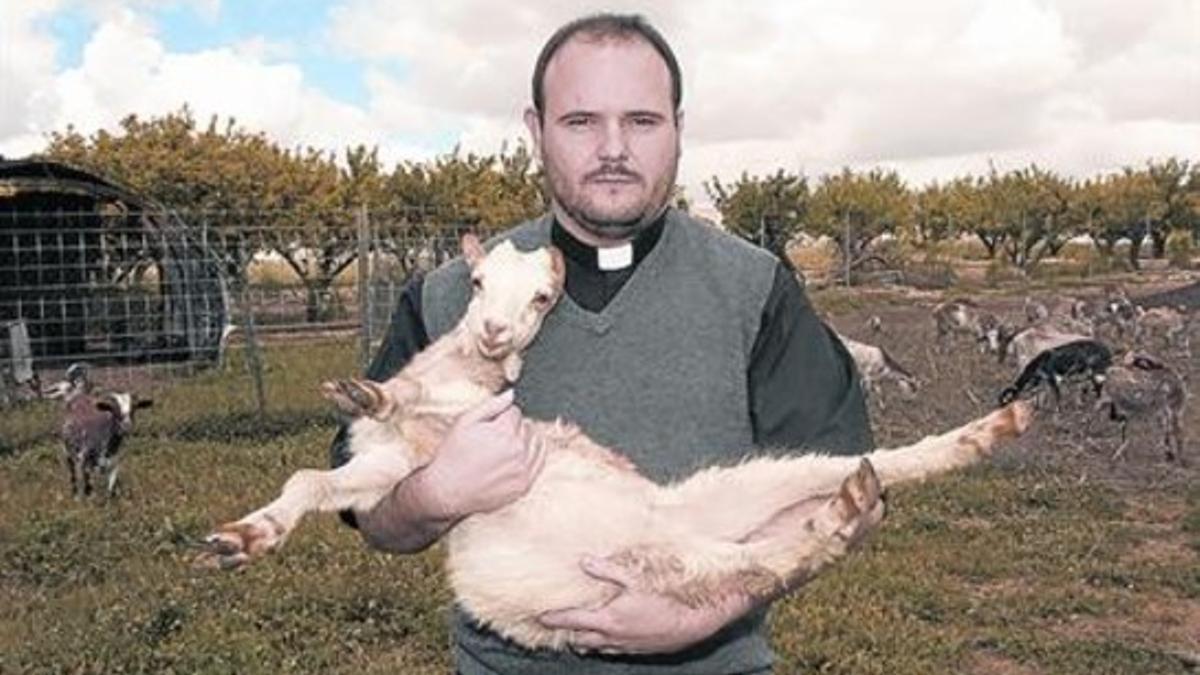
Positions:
(541, 299)
(477, 283)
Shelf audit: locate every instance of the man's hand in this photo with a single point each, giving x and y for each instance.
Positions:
(486, 461)
(638, 621)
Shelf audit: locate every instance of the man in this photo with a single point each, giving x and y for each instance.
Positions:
(676, 343)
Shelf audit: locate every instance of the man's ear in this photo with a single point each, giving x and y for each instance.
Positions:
(533, 122)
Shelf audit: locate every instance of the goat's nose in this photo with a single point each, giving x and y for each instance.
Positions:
(492, 328)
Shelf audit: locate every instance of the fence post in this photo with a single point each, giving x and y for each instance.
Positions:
(364, 289)
(846, 240)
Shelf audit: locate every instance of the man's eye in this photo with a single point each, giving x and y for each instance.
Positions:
(579, 122)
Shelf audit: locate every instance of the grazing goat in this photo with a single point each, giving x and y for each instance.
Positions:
(965, 317)
(1021, 347)
(1054, 365)
(1142, 386)
(1169, 323)
(757, 527)
(876, 366)
(1035, 312)
(93, 428)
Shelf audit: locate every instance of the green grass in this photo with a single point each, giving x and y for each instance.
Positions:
(990, 566)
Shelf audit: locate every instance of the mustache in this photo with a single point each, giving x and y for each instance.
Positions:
(611, 171)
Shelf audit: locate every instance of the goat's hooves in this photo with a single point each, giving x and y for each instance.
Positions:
(357, 398)
(859, 503)
(236, 544)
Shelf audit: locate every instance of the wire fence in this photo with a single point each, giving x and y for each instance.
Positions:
(164, 294)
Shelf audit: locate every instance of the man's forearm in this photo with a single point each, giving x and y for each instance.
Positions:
(405, 521)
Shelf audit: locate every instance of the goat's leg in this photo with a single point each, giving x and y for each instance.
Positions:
(363, 398)
(69, 461)
(783, 554)
(714, 500)
(1120, 451)
(357, 485)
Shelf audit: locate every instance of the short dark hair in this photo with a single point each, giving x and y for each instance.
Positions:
(602, 26)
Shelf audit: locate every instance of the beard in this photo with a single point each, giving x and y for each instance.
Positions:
(606, 220)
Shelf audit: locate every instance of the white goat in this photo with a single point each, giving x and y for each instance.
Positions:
(1142, 386)
(1172, 325)
(876, 366)
(757, 527)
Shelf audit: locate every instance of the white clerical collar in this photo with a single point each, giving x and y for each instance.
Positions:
(615, 257)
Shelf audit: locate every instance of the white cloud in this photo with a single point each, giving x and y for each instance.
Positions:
(932, 88)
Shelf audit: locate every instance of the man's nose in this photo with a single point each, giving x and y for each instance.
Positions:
(613, 146)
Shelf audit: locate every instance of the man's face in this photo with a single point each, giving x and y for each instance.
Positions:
(608, 137)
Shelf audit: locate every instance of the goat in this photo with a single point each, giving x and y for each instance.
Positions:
(965, 317)
(93, 429)
(1172, 324)
(1141, 386)
(876, 366)
(1028, 342)
(1080, 357)
(1035, 312)
(756, 527)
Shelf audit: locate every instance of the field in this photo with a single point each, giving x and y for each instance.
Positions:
(1050, 559)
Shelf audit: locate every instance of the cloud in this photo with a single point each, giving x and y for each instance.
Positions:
(932, 88)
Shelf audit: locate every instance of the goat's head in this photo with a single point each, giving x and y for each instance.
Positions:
(512, 292)
(122, 405)
(994, 333)
(77, 382)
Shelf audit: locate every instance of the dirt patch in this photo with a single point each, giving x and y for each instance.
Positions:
(1165, 624)
(986, 663)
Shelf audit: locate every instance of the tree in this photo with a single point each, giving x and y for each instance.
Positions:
(855, 209)
(767, 211)
(933, 214)
(1172, 181)
(1030, 207)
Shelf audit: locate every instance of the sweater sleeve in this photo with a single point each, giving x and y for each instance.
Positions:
(405, 337)
(805, 392)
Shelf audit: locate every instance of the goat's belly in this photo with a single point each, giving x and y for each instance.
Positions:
(509, 566)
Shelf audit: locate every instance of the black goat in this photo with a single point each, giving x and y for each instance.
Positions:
(1081, 357)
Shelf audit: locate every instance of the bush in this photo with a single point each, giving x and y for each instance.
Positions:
(1180, 250)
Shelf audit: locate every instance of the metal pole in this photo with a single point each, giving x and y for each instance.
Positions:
(364, 289)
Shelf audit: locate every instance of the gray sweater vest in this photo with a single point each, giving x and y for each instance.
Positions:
(661, 375)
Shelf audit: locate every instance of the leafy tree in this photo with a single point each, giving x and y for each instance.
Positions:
(767, 210)
(855, 209)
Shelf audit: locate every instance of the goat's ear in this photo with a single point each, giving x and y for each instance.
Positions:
(472, 249)
(558, 268)
(108, 404)
(144, 403)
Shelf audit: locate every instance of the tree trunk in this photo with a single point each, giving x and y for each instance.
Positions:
(1158, 242)
(1135, 252)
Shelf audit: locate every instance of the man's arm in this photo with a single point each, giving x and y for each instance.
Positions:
(805, 392)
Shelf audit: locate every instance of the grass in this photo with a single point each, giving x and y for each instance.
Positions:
(994, 570)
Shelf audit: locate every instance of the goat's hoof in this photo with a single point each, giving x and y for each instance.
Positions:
(357, 398)
(235, 544)
(858, 506)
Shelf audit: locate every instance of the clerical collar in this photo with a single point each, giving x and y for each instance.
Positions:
(611, 258)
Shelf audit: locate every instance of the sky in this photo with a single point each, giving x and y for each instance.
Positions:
(930, 88)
